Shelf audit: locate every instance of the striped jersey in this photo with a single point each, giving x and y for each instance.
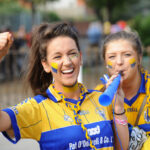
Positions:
(51, 122)
(133, 105)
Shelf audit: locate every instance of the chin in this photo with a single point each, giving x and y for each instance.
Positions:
(69, 84)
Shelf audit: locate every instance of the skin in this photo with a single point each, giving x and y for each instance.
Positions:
(5, 43)
(6, 40)
(63, 51)
(124, 58)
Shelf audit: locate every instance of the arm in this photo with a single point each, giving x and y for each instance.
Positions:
(5, 43)
(5, 122)
(120, 123)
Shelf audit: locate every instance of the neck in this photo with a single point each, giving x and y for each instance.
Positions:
(72, 92)
(131, 87)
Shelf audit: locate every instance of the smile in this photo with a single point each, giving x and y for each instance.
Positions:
(67, 71)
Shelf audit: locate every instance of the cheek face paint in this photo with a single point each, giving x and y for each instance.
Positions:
(132, 61)
(109, 64)
(70, 89)
(74, 56)
(54, 67)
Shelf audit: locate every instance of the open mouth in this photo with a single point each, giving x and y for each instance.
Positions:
(69, 71)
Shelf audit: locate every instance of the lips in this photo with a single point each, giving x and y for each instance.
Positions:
(121, 72)
(68, 71)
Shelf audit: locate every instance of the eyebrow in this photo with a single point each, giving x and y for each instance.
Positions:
(121, 52)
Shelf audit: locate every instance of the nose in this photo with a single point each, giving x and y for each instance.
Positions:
(119, 60)
(67, 60)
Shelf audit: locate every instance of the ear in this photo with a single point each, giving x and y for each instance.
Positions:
(46, 66)
(81, 60)
(140, 59)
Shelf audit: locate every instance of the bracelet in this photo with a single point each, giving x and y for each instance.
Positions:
(120, 113)
(121, 122)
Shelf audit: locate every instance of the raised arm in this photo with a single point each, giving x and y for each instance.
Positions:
(6, 40)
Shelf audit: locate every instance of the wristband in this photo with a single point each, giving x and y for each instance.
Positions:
(120, 113)
(121, 122)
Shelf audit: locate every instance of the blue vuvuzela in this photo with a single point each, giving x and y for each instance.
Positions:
(106, 98)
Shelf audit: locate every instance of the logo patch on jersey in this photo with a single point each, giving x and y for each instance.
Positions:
(147, 115)
(132, 110)
(84, 112)
(94, 131)
(101, 112)
(68, 118)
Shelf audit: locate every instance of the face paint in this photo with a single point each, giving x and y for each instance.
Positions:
(70, 89)
(132, 62)
(54, 67)
(74, 56)
(109, 64)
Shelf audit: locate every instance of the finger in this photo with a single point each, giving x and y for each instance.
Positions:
(10, 39)
(7, 39)
(3, 43)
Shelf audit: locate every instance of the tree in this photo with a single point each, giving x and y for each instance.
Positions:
(32, 4)
(110, 10)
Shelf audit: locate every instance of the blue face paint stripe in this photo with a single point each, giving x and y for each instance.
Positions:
(133, 64)
(109, 66)
(54, 70)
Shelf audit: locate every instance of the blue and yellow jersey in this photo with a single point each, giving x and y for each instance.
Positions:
(133, 105)
(49, 121)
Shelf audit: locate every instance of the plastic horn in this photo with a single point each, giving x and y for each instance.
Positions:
(106, 98)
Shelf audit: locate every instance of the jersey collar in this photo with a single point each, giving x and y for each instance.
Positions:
(58, 96)
(141, 90)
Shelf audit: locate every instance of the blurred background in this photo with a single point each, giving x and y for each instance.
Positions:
(94, 19)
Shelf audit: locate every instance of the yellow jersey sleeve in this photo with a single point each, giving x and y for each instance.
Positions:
(26, 119)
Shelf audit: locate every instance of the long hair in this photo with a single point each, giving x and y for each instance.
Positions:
(38, 79)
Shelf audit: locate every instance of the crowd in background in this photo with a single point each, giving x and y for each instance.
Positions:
(12, 66)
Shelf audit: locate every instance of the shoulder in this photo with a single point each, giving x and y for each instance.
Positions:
(39, 98)
(94, 93)
(100, 87)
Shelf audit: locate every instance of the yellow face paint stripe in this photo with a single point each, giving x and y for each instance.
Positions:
(109, 64)
(54, 67)
(132, 61)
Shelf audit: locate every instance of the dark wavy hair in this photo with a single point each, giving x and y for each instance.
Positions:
(37, 78)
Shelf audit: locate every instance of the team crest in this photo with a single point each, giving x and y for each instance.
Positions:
(101, 112)
(68, 118)
(84, 112)
(147, 115)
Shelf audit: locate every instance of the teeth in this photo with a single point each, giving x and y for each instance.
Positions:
(67, 71)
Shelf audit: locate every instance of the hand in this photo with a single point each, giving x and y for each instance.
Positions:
(6, 41)
(119, 96)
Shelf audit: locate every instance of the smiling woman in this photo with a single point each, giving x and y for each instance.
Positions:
(63, 114)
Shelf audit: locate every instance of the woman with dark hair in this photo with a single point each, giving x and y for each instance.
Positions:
(122, 52)
(63, 114)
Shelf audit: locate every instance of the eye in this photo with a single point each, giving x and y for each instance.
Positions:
(57, 57)
(111, 57)
(73, 54)
(127, 54)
